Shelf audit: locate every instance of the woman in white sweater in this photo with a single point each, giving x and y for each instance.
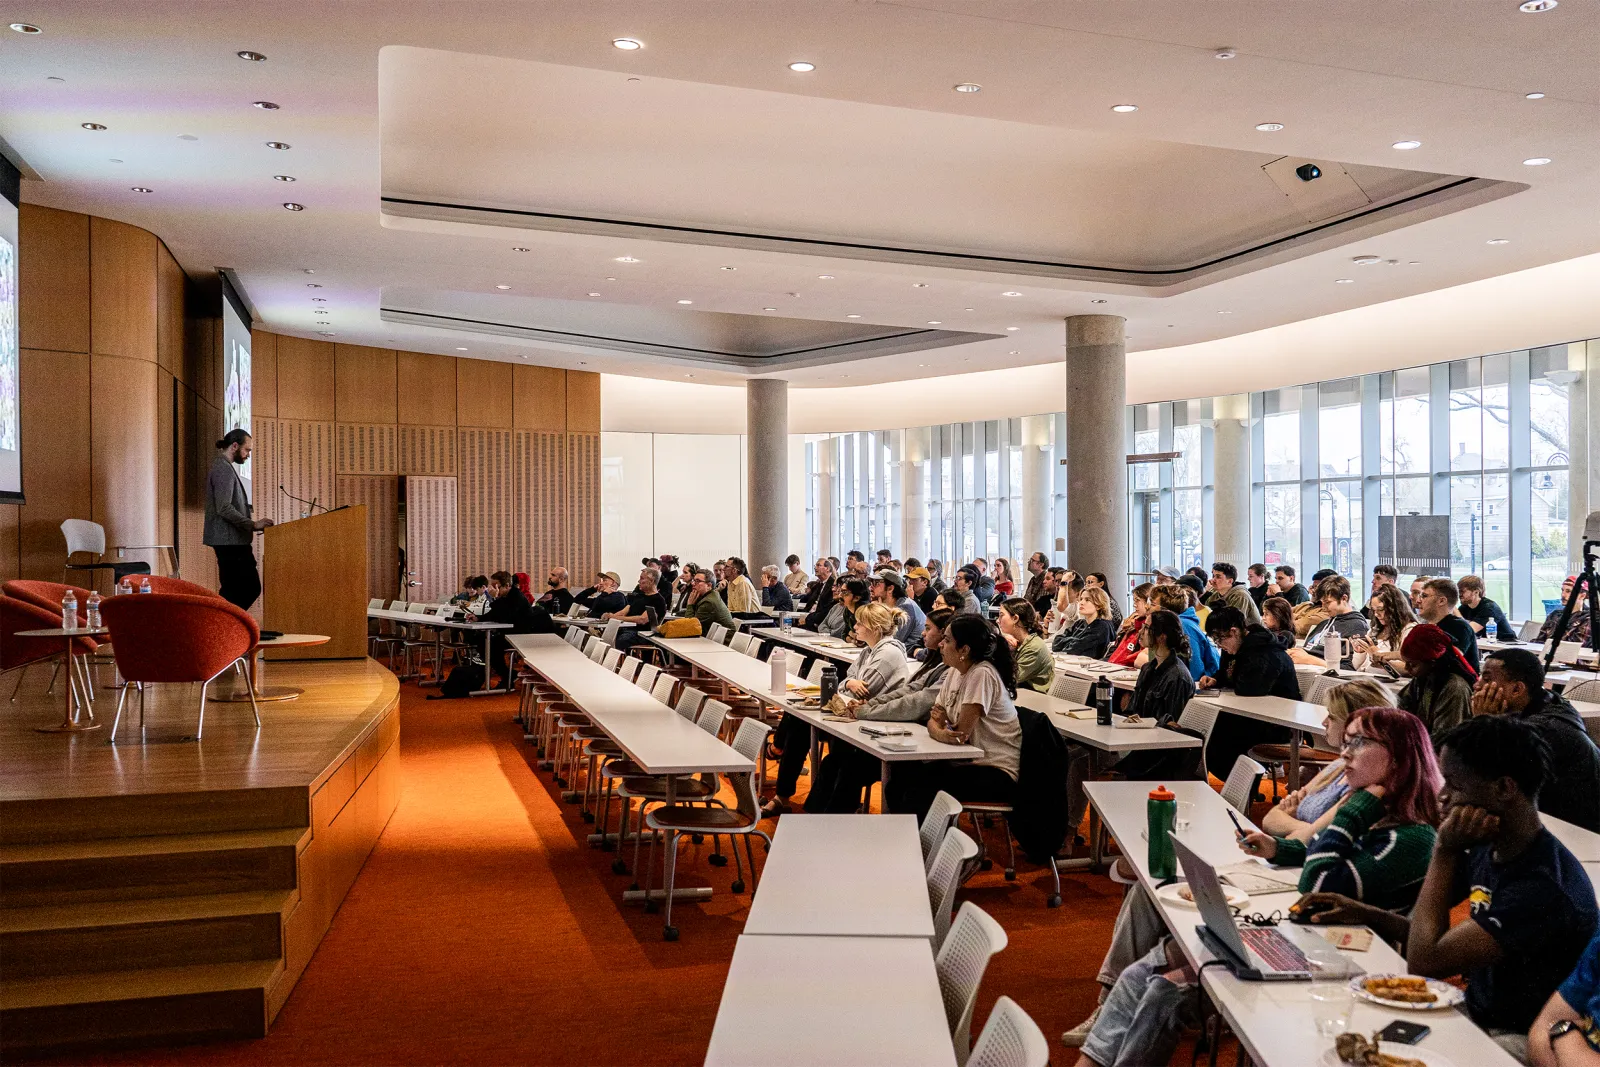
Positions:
(883, 665)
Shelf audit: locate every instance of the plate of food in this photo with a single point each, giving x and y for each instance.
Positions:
(1359, 1050)
(1134, 722)
(1180, 894)
(1406, 992)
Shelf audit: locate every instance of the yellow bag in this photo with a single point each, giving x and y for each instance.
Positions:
(679, 628)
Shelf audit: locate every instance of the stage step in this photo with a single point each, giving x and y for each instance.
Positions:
(199, 811)
(132, 934)
(133, 868)
(167, 1005)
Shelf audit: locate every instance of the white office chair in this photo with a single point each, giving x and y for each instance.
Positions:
(647, 676)
(88, 538)
(1321, 685)
(960, 962)
(610, 659)
(717, 633)
(1243, 781)
(1010, 1039)
(814, 672)
(597, 651)
(609, 634)
(575, 637)
(1200, 718)
(942, 814)
(1588, 691)
(1530, 629)
(689, 702)
(741, 642)
(944, 877)
(629, 670)
(662, 690)
(375, 604)
(1066, 687)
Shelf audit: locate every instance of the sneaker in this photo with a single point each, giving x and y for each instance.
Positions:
(1075, 1037)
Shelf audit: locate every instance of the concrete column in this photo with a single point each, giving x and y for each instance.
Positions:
(1036, 487)
(827, 500)
(1231, 469)
(767, 465)
(913, 502)
(1097, 469)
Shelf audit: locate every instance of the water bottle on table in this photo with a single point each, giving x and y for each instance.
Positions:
(780, 672)
(1161, 812)
(1102, 701)
(69, 610)
(1491, 632)
(92, 610)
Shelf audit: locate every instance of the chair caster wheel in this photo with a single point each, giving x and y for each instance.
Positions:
(985, 865)
(697, 838)
(618, 867)
(651, 907)
(1054, 901)
(669, 933)
(634, 888)
(738, 887)
(717, 860)
(1011, 874)
(588, 816)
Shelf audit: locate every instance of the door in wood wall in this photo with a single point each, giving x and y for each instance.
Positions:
(431, 555)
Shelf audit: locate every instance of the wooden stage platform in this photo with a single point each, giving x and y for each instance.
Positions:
(166, 890)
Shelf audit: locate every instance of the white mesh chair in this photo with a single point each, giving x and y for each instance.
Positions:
(1321, 684)
(741, 642)
(1589, 691)
(647, 790)
(1010, 1039)
(609, 634)
(647, 676)
(597, 650)
(814, 672)
(1530, 629)
(717, 633)
(1243, 782)
(961, 960)
(689, 702)
(629, 669)
(1066, 687)
(575, 637)
(611, 659)
(944, 877)
(662, 690)
(375, 604)
(942, 814)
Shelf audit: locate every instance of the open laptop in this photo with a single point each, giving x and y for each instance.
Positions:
(1253, 953)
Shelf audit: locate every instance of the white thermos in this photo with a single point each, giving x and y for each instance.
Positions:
(780, 672)
(1332, 648)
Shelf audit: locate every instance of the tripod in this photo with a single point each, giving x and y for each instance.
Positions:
(1588, 586)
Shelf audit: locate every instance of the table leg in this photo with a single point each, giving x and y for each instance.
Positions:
(1294, 759)
(257, 673)
(883, 787)
(71, 724)
(816, 753)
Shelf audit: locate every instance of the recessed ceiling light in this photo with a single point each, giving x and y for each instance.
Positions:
(688, 376)
(1224, 313)
(1224, 53)
(313, 285)
(113, 161)
(460, 349)
(594, 294)
(187, 137)
(919, 285)
(254, 57)
(686, 301)
(279, 145)
(802, 67)
(967, 87)
(1536, 161)
(326, 333)
(1011, 293)
(519, 248)
(1533, 96)
(1097, 301)
(307, 270)
(824, 277)
(1124, 109)
(1014, 352)
(791, 294)
(283, 177)
(319, 300)
(294, 207)
(1365, 261)
(502, 287)
(934, 322)
(1499, 241)
(626, 259)
(730, 268)
(141, 189)
(1269, 127)
(25, 27)
(1344, 281)
(91, 125)
(627, 44)
(610, 279)
(1013, 329)
(1406, 146)
(922, 364)
(769, 309)
(852, 316)
(266, 105)
(1536, 7)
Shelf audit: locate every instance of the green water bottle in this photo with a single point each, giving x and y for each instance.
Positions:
(1160, 811)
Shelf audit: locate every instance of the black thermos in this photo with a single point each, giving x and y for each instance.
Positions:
(1102, 701)
(829, 683)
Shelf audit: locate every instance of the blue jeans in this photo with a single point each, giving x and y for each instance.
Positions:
(1143, 1017)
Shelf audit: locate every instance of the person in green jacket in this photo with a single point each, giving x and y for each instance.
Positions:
(706, 605)
(1019, 622)
(1374, 845)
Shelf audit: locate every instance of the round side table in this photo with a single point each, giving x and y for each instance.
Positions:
(84, 719)
(258, 669)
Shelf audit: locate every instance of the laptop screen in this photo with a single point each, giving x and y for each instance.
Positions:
(1209, 898)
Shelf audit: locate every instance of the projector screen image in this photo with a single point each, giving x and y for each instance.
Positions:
(10, 361)
(236, 372)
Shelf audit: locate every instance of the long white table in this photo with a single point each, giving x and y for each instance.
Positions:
(843, 875)
(439, 624)
(809, 642)
(1301, 717)
(831, 1002)
(1583, 844)
(1272, 1019)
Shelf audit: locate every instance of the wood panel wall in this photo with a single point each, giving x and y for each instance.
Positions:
(502, 460)
(121, 394)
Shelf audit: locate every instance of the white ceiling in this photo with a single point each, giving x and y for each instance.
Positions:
(1449, 74)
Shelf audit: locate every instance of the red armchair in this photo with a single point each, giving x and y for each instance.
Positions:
(174, 637)
(19, 653)
(158, 584)
(47, 595)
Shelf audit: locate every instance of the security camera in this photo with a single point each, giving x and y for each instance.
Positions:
(1308, 172)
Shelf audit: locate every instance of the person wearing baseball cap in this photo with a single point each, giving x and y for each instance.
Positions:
(604, 595)
(920, 582)
(889, 589)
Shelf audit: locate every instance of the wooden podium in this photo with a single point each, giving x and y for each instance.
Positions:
(314, 581)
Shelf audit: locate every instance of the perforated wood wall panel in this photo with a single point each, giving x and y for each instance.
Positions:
(431, 537)
(298, 455)
(581, 497)
(366, 448)
(539, 511)
(427, 450)
(381, 495)
(483, 482)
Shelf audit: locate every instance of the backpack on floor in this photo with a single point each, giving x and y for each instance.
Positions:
(462, 680)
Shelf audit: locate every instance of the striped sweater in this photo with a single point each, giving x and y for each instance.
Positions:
(1383, 867)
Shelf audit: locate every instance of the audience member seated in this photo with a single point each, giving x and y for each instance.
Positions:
(1038, 566)
(1064, 612)
(1440, 690)
(1197, 590)
(741, 595)
(509, 605)
(1578, 626)
(1531, 907)
(1020, 627)
(821, 601)
(604, 595)
(1200, 656)
(1341, 620)
(1382, 575)
(920, 583)
(1565, 1033)
(883, 664)
(1285, 585)
(1004, 586)
(557, 598)
(1163, 688)
(1257, 578)
(1094, 631)
(795, 580)
(1097, 580)
(1125, 646)
(846, 770)
(849, 595)
(1252, 665)
(1312, 612)
(1512, 683)
(474, 595)
(967, 582)
(1391, 620)
(1478, 610)
(974, 706)
(855, 564)
(774, 594)
(645, 608)
(1045, 599)
(1226, 592)
(705, 605)
(889, 589)
(1436, 604)
(983, 588)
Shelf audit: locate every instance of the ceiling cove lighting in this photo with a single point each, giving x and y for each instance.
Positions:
(1269, 127)
(1533, 96)
(802, 67)
(626, 259)
(1498, 241)
(252, 57)
(91, 126)
(1537, 7)
(25, 27)
(594, 294)
(627, 44)
(1406, 146)
(967, 87)
(280, 146)
(1344, 281)
(294, 207)
(1124, 109)
(265, 105)
(1536, 161)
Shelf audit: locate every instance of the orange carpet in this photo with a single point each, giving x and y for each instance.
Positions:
(485, 930)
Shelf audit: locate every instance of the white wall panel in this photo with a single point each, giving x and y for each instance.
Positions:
(627, 501)
(699, 496)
